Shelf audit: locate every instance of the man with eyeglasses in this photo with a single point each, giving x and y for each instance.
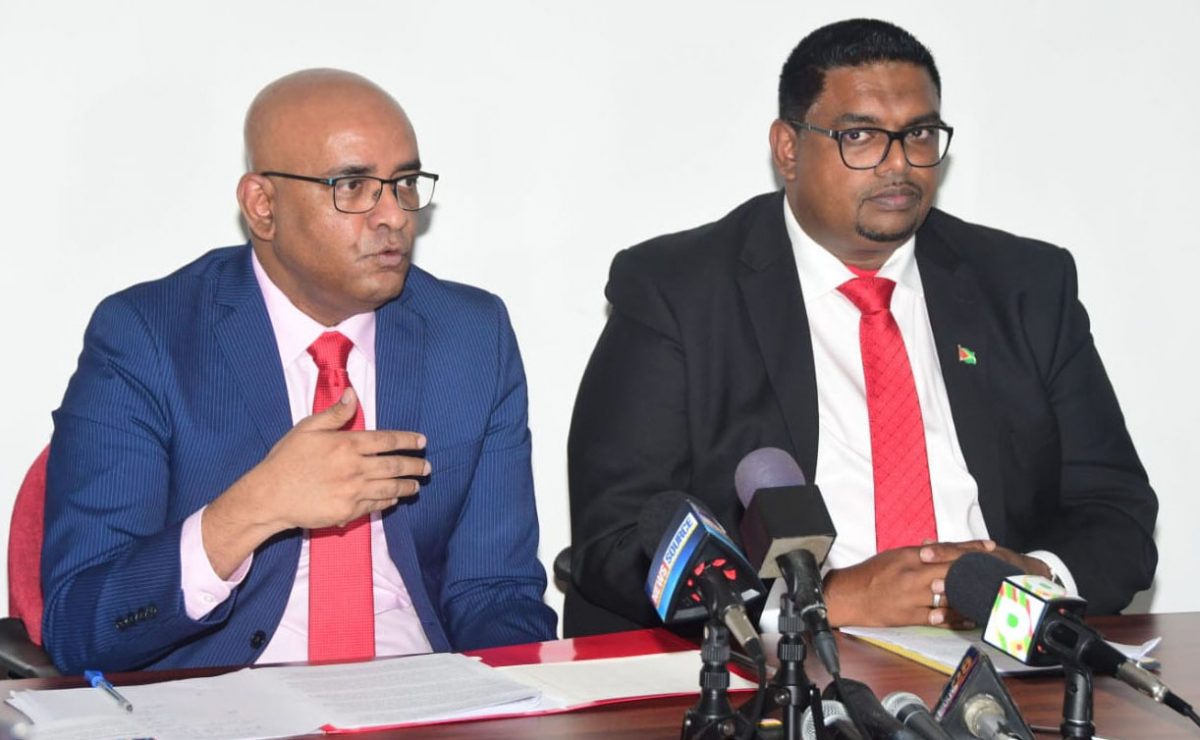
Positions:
(303, 448)
(936, 379)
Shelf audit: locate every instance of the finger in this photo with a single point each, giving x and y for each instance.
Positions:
(333, 418)
(947, 552)
(391, 488)
(387, 440)
(381, 467)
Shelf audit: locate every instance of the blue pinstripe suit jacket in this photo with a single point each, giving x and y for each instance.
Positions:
(179, 391)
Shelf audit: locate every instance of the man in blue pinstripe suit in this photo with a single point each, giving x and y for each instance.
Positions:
(187, 471)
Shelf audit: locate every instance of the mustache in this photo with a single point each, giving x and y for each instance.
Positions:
(902, 187)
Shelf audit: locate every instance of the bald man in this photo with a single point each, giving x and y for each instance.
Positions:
(300, 448)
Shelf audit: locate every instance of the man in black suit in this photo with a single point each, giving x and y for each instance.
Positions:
(737, 335)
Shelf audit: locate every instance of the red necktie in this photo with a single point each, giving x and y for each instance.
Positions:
(903, 497)
(341, 601)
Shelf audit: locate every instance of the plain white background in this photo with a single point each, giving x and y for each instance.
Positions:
(567, 131)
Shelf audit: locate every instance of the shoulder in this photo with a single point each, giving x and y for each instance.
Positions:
(988, 246)
(716, 242)
(181, 296)
(703, 259)
(450, 306)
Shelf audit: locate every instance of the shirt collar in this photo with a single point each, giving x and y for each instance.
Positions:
(822, 273)
(296, 330)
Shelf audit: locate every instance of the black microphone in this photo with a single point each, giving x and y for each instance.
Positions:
(788, 532)
(913, 714)
(1033, 620)
(837, 723)
(867, 711)
(695, 569)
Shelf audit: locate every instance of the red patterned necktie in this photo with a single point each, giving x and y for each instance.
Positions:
(341, 602)
(903, 497)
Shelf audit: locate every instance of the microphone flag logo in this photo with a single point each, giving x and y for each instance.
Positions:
(1017, 612)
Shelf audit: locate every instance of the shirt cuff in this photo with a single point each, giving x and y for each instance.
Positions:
(1058, 570)
(203, 590)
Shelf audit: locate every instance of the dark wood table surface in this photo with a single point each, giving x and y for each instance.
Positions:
(1120, 712)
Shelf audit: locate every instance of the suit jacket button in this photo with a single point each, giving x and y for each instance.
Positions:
(258, 639)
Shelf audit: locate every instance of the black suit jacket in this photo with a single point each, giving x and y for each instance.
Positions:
(706, 356)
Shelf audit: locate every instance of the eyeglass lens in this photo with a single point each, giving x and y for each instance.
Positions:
(865, 148)
(360, 194)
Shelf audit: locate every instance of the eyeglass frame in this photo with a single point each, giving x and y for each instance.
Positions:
(837, 134)
(331, 183)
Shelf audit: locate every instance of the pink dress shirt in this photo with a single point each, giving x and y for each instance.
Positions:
(397, 627)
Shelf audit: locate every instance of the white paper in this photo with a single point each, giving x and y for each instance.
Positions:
(281, 702)
(945, 647)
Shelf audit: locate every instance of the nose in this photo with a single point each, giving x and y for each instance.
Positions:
(387, 211)
(894, 159)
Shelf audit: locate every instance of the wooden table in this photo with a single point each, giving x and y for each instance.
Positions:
(1120, 712)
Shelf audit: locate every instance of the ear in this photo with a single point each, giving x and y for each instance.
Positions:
(256, 198)
(785, 144)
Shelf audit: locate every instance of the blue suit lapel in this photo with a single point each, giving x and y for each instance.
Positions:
(399, 382)
(247, 342)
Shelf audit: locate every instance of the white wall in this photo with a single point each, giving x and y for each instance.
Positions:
(564, 132)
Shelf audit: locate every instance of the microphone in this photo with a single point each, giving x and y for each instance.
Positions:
(1033, 620)
(913, 714)
(976, 677)
(838, 725)
(696, 570)
(985, 718)
(788, 532)
(867, 711)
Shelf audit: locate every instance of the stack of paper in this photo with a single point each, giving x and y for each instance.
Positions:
(287, 701)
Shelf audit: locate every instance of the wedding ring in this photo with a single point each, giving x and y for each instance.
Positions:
(937, 601)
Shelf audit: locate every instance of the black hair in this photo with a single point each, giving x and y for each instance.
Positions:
(847, 43)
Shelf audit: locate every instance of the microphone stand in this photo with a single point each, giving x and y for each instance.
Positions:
(791, 688)
(713, 717)
(1077, 703)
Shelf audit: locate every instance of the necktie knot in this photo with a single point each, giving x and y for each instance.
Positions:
(869, 294)
(331, 350)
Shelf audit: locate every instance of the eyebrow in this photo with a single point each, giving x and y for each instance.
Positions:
(869, 120)
(351, 170)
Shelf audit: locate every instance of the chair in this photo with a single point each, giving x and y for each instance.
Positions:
(21, 654)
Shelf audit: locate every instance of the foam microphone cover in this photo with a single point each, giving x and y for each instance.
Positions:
(783, 514)
(972, 584)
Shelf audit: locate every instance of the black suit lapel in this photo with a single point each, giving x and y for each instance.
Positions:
(957, 316)
(770, 288)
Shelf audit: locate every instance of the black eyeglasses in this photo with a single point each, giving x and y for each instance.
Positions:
(360, 193)
(865, 148)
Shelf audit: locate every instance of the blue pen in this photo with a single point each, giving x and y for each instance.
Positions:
(97, 680)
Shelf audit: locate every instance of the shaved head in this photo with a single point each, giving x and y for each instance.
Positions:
(301, 131)
(298, 106)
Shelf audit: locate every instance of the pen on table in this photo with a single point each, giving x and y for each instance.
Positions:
(97, 680)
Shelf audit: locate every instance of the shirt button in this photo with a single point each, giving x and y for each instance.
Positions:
(208, 598)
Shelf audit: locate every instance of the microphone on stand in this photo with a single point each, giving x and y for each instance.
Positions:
(867, 711)
(787, 532)
(985, 718)
(1032, 619)
(696, 570)
(836, 723)
(913, 714)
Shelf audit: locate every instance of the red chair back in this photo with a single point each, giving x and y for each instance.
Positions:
(25, 549)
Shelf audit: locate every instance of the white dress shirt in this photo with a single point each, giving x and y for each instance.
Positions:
(844, 472)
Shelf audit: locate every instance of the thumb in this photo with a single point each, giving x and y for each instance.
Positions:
(335, 417)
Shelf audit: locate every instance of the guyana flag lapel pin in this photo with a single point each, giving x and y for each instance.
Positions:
(967, 356)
